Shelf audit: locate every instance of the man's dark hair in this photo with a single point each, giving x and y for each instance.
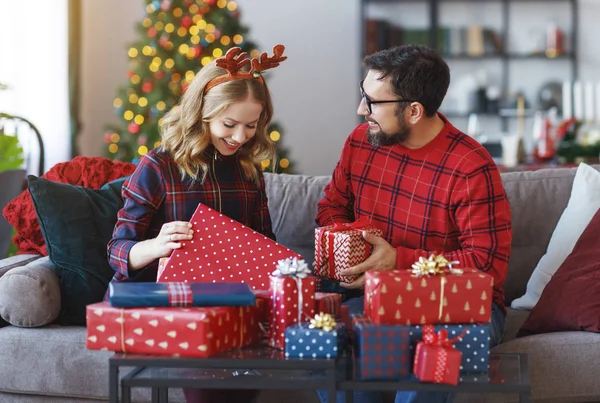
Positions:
(417, 74)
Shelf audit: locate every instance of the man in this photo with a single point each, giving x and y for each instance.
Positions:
(429, 187)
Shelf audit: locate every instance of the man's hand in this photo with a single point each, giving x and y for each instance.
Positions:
(382, 258)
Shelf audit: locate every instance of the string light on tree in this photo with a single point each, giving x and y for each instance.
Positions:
(175, 39)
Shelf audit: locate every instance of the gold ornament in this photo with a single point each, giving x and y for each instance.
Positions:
(323, 321)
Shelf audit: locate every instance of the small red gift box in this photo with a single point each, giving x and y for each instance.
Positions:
(400, 297)
(223, 250)
(292, 299)
(185, 332)
(341, 246)
(328, 302)
(436, 359)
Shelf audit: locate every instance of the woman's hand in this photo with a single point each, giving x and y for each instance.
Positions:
(169, 238)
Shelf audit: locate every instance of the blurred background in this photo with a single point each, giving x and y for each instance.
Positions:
(94, 76)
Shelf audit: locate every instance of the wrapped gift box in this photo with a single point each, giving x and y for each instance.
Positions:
(223, 250)
(290, 298)
(387, 352)
(341, 246)
(185, 332)
(436, 360)
(400, 297)
(474, 344)
(304, 342)
(328, 302)
(132, 294)
(380, 352)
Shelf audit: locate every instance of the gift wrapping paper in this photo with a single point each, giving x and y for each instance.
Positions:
(185, 332)
(399, 297)
(436, 360)
(223, 250)
(328, 302)
(304, 342)
(132, 294)
(291, 298)
(341, 246)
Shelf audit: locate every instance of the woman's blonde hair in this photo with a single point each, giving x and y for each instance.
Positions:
(185, 128)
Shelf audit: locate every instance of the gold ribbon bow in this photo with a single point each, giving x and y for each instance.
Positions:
(434, 266)
(323, 321)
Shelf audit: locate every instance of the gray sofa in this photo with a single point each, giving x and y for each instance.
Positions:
(51, 364)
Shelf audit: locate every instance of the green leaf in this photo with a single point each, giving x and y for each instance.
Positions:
(11, 153)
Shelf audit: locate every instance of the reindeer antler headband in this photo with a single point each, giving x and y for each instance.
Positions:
(233, 61)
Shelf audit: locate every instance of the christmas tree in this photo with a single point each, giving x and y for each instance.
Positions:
(177, 38)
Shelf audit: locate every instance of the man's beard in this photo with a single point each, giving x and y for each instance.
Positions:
(378, 138)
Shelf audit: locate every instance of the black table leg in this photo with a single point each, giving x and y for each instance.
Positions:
(125, 393)
(113, 383)
(331, 385)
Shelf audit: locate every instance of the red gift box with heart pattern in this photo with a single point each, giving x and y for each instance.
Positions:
(185, 332)
(223, 250)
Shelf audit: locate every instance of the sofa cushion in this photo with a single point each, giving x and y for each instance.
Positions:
(30, 294)
(77, 224)
(570, 300)
(583, 204)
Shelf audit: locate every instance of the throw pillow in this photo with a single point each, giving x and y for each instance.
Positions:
(582, 205)
(570, 300)
(77, 223)
(91, 172)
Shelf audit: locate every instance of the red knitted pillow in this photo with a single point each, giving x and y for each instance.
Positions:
(90, 172)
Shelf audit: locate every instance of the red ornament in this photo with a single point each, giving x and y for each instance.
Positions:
(130, 73)
(159, 74)
(197, 50)
(151, 32)
(210, 2)
(107, 137)
(162, 41)
(186, 21)
(133, 128)
(188, 3)
(147, 86)
(235, 14)
(165, 5)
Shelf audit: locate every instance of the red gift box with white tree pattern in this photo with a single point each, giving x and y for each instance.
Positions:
(185, 332)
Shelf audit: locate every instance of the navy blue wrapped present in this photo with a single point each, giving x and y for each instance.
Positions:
(387, 352)
(474, 344)
(303, 342)
(381, 352)
(133, 295)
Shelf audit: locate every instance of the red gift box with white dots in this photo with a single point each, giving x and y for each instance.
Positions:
(223, 250)
(184, 332)
(287, 295)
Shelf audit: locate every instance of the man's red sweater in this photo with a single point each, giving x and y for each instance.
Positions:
(446, 197)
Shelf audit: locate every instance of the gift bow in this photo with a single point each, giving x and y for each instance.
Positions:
(362, 222)
(297, 270)
(434, 266)
(323, 321)
(439, 339)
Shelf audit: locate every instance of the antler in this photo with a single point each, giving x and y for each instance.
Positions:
(265, 62)
(233, 60)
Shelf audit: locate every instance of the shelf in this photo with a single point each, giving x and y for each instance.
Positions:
(509, 56)
(483, 2)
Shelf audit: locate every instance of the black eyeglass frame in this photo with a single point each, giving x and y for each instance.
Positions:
(369, 102)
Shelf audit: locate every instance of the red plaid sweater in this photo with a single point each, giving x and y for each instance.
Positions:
(446, 197)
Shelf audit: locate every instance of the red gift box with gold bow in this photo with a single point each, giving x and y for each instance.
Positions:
(185, 332)
(341, 246)
(405, 297)
(436, 359)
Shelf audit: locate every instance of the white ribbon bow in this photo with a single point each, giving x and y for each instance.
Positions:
(292, 267)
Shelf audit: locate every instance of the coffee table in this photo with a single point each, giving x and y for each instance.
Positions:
(509, 373)
(263, 368)
(260, 368)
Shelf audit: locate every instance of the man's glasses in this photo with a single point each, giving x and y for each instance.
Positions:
(369, 102)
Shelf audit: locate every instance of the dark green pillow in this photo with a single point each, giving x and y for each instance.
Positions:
(77, 224)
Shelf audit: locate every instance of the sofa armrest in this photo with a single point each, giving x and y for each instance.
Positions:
(16, 261)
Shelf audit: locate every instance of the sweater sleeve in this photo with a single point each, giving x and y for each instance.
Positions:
(143, 193)
(337, 205)
(481, 214)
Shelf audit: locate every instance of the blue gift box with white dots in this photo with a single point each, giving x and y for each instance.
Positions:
(303, 342)
(474, 344)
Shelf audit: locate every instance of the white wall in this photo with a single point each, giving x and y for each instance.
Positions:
(34, 62)
(315, 90)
